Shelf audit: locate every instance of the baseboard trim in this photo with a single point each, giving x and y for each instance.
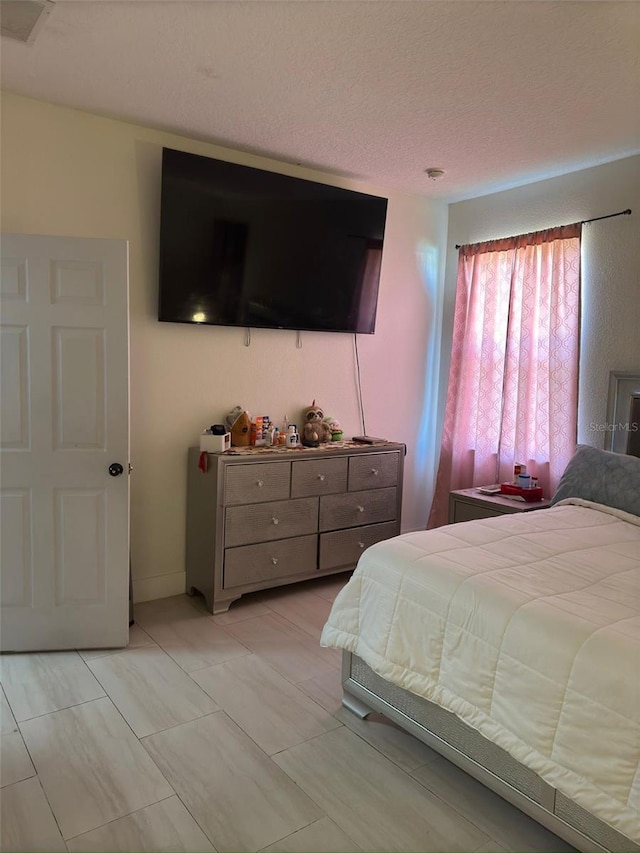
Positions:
(161, 586)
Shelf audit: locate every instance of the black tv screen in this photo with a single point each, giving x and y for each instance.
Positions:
(245, 247)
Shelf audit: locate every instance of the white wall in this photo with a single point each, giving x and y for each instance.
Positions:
(71, 173)
(610, 337)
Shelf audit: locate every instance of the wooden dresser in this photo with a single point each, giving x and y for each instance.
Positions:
(261, 518)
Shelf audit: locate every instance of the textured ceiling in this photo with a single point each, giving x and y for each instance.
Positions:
(495, 93)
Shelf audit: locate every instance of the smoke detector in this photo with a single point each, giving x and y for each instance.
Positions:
(22, 19)
(435, 174)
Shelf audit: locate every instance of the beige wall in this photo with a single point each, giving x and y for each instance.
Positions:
(66, 172)
(610, 265)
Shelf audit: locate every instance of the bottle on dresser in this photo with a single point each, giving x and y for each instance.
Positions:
(292, 436)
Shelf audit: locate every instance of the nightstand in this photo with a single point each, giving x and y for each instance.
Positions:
(469, 504)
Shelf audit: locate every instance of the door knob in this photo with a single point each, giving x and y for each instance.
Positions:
(115, 469)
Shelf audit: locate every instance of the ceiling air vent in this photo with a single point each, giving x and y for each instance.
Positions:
(22, 19)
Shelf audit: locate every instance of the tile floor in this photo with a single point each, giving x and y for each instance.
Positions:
(226, 733)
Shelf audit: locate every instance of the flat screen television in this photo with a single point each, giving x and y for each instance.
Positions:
(246, 247)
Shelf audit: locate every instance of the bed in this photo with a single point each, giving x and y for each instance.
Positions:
(511, 645)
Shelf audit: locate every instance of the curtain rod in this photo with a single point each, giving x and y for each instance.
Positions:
(585, 221)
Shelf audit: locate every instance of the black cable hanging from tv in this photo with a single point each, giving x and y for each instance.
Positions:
(626, 212)
(355, 344)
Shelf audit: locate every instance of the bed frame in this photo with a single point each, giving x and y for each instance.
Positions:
(365, 692)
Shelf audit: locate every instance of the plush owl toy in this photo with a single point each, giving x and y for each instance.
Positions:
(314, 431)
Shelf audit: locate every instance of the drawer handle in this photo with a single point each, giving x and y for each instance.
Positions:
(274, 560)
(360, 544)
(321, 477)
(360, 509)
(374, 471)
(260, 483)
(275, 520)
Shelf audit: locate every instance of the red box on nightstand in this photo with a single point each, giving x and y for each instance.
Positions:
(529, 495)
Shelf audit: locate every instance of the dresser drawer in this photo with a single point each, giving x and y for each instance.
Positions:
(357, 508)
(469, 512)
(373, 471)
(344, 547)
(244, 525)
(321, 476)
(268, 481)
(268, 561)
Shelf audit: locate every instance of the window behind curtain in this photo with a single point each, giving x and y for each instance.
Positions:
(513, 381)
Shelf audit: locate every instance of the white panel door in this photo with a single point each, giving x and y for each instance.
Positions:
(64, 419)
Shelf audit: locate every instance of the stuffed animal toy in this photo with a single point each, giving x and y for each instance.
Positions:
(238, 422)
(334, 426)
(315, 431)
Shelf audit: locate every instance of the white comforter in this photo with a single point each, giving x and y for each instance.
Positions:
(527, 627)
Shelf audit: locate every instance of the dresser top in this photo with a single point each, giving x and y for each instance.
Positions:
(279, 451)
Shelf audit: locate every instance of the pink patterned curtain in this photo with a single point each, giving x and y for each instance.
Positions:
(513, 381)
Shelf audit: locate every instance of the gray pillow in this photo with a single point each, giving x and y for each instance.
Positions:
(612, 479)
